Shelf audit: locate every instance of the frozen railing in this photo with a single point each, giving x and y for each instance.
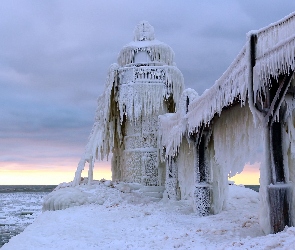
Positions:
(149, 74)
(274, 35)
(275, 50)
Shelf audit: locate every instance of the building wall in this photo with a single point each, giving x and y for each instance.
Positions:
(186, 164)
(141, 90)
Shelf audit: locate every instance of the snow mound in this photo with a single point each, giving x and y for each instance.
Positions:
(100, 192)
(64, 198)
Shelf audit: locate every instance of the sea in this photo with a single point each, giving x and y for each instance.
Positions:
(20, 205)
(253, 187)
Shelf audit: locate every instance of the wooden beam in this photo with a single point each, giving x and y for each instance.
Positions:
(278, 98)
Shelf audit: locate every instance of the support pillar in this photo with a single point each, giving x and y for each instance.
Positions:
(279, 192)
(269, 103)
(171, 184)
(280, 198)
(90, 170)
(203, 189)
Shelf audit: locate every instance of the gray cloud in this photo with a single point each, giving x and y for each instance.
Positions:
(54, 56)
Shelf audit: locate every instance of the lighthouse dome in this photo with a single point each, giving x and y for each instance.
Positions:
(145, 48)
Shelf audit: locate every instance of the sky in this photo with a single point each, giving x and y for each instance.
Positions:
(54, 58)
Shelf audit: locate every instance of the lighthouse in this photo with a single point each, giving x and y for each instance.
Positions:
(143, 84)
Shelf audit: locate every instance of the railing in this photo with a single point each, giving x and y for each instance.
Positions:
(274, 35)
(143, 74)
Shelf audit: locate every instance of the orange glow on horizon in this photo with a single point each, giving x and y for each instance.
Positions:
(55, 173)
(249, 176)
(33, 174)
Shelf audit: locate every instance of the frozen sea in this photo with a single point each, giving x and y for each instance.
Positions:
(19, 206)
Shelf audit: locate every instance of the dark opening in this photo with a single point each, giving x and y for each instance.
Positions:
(187, 103)
(276, 134)
(170, 169)
(202, 163)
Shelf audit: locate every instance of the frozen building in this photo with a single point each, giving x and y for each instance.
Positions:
(144, 84)
(174, 141)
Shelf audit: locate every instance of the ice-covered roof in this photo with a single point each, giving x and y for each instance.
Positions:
(275, 51)
(144, 40)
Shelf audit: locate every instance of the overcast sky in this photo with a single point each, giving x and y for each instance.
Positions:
(54, 57)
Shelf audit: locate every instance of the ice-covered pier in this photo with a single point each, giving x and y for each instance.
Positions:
(176, 143)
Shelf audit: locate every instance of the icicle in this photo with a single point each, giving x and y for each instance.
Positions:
(154, 48)
(144, 94)
(275, 49)
(100, 139)
(78, 173)
(228, 140)
(174, 126)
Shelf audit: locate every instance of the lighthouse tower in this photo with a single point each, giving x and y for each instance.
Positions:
(142, 85)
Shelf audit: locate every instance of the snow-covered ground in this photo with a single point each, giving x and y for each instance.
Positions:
(112, 219)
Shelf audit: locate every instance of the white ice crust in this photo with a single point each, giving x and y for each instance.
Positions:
(116, 220)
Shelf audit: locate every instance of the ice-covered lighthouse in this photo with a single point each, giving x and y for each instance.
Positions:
(143, 84)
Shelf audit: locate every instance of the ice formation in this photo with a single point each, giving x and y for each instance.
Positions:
(144, 84)
(245, 117)
(160, 135)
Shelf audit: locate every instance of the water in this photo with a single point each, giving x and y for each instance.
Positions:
(253, 187)
(19, 206)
